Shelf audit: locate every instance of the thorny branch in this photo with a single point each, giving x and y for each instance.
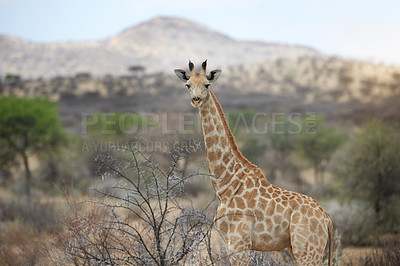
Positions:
(145, 218)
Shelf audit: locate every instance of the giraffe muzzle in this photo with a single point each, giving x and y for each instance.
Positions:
(196, 101)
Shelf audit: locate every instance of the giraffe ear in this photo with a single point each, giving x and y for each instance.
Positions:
(182, 75)
(214, 75)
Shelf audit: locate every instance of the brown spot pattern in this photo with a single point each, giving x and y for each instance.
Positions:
(272, 206)
(240, 203)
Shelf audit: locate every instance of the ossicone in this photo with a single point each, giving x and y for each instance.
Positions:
(191, 66)
(204, 66)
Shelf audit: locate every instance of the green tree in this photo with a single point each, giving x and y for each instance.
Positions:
(244, 125)
(241, 121)
(114, 125)
(317, 144)
(283, 135)
(11, 79)
(369, 171)
(27, 126)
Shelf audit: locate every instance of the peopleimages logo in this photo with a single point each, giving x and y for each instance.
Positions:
(189, 123)
(140, 145)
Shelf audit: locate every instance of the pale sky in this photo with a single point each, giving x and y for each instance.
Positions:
(368, 30)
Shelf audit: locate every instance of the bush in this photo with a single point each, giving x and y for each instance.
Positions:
(141, 219)
(386, 252)
(42, 217)
(28, 126)
(368, 169)
(354, 222)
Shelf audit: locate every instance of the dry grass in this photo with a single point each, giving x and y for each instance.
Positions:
(19, 244)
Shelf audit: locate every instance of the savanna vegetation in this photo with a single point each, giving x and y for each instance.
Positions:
(131, 187)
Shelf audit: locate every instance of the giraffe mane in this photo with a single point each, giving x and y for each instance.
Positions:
(232, 140)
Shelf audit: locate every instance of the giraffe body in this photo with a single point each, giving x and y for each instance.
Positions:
(253, 214)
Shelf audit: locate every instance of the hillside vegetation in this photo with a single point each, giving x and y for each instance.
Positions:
(330, 79)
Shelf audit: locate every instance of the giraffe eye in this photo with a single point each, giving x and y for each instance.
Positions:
(188, 86)
(207, 86)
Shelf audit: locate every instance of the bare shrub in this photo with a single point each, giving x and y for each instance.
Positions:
(354, 221)
(270, 258)
(143, 219)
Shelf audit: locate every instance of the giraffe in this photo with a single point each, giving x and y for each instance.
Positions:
(252, 213)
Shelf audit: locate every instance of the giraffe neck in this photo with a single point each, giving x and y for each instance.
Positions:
(226, 163)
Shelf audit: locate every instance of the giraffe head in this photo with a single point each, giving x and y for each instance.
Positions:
(198, 83)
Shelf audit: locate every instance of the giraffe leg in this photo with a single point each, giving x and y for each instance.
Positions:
(305, 245)
(239, 257)
(238, 253)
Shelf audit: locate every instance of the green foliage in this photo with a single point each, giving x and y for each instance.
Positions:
(241, 120)
(116, 124)
(28, 126)
(252, 147)
(369, 171)
(283, 134)
(242, 123)
(317, 144)
(7, 154)
(12, 79)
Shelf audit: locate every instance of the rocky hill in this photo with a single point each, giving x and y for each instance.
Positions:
(310, 79)
(158, 45)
